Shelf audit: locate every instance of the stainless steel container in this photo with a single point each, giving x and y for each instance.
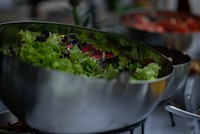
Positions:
(56, 102)
(181, 63)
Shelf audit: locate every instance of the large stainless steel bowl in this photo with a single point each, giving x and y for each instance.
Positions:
(181, 63)
(56, 102)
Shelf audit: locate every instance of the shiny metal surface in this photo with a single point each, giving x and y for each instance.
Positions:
(182, 113)
(189, 109)
(181, 63)
(192, 105)
(56, 102)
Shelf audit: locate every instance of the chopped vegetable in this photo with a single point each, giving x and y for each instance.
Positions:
(67, 53)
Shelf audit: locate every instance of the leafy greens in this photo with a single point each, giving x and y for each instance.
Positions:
(51, 53)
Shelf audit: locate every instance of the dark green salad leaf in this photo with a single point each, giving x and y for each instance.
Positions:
(65, 53)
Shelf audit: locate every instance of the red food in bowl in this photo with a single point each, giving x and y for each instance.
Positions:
(161, 22)
(97, 54)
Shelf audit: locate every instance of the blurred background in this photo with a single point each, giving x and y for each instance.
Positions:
(61, 10)
(101, 14)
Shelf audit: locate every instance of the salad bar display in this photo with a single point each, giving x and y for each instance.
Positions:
(59, 78)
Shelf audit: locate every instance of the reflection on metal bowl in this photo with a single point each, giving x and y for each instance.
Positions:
(181, 63)
(56, 102)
